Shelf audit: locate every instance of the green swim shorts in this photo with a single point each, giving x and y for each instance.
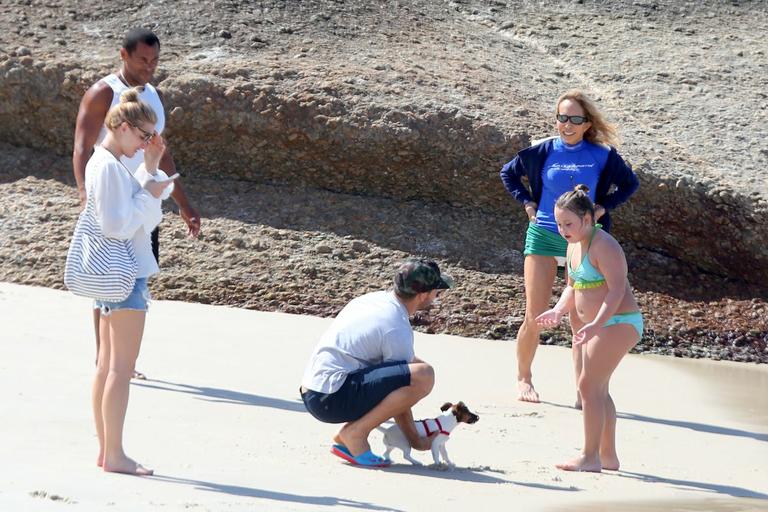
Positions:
(543, 242)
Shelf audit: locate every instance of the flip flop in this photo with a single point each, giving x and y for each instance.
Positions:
(371, 460)
(343, 452)
(367, 459)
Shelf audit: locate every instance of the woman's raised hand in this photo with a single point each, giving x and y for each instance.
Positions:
(153, 153)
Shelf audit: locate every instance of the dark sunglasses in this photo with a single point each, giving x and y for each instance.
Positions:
(146, 136)
(573, 119)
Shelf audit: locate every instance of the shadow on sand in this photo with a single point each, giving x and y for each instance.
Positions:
(730, 490)
(252, 492)
(223, 395)
(698, 427)
(477, 475)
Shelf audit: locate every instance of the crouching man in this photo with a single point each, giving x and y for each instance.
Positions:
(364, 370)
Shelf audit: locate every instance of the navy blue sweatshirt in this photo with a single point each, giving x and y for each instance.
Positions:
(530, 161)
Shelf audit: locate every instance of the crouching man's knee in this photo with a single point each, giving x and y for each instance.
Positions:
(422, 377)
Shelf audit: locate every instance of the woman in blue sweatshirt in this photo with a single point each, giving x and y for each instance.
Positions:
(583, 153)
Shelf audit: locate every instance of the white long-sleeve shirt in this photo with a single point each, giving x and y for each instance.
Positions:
(123, 208)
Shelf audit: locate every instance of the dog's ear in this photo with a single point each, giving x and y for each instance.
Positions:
(446, 406)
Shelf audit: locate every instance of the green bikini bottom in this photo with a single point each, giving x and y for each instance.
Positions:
(633, 318)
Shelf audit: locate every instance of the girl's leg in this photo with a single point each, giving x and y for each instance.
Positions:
(539, 273)
(126, 328)
(608, 457)
(602, 354)
(97, 392)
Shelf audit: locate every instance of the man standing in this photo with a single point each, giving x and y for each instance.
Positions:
(140, 54)
(364, 369)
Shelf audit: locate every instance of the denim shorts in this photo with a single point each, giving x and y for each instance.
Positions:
(362, 391)
(138, 300)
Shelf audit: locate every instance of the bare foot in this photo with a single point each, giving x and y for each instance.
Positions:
(100, 459)
(139, 375)
(127, 466)
(526, 393)
(581, 464)
(355, 442)
(610, 462)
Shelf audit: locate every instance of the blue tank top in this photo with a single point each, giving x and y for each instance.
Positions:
(567, 166)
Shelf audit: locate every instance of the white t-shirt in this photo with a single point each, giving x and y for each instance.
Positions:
(370, 330)
(148, 96)
(122, 207)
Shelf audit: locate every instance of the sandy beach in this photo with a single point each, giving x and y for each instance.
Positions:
(220, 421)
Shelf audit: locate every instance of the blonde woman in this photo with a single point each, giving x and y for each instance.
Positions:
(127, 207)
(605, 317)
(583, 152)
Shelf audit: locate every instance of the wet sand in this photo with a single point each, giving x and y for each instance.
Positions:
(708, 505)
(220, 422)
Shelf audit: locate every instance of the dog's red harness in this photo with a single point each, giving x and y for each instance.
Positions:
(439, 428)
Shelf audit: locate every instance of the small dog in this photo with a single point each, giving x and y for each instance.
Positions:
(443, 424)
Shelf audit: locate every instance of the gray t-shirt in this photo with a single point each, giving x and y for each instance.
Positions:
(370, 330)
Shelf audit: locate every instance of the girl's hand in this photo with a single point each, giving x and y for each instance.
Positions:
(549, 318)
(153, 153)
(586, 333)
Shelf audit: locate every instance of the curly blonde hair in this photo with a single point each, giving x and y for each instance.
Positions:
(130, 110)
(601, 131)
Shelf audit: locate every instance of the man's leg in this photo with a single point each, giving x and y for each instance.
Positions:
(354, 435)
(155, 239)
(539, 272)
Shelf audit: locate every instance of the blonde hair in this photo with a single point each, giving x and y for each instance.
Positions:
(601, 131)
(130, 110)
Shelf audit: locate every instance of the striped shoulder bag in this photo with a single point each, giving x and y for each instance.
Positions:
(99, 267)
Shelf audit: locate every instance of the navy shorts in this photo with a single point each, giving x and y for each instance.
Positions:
(362, 391)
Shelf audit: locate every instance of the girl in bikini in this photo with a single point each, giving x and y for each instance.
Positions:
(605, 317)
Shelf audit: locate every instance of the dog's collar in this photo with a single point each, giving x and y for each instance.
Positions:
(439, 428)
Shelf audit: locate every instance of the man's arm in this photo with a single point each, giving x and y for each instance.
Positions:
(90, 118)
(407, 426)
(405, 422)
(187, 212)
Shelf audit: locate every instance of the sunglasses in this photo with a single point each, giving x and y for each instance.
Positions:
(146, 136)
(573, 119)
